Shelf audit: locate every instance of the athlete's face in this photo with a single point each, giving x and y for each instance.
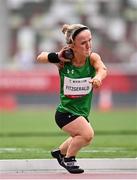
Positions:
(82, 43)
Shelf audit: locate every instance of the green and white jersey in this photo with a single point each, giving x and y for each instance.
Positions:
(75, 89)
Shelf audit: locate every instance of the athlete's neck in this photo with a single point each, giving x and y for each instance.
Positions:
(78, 62)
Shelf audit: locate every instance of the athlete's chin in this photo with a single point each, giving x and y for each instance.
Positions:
(87, 53)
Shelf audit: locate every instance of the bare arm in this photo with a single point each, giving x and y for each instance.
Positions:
(101, 70)
(53, 57)
(42, 57)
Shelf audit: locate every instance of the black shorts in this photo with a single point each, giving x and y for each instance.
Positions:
(64, 118)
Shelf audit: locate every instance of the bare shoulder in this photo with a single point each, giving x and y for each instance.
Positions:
(94, 57)
(96, 61)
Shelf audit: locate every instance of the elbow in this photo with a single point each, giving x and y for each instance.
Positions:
(38, 59)
(42, 58)
(105, 72)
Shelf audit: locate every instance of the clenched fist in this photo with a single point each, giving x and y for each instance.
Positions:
(96, 82)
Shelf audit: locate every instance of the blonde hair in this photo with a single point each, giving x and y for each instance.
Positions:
(69, 30)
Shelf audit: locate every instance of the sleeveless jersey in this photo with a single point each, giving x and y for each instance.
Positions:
(75, 89)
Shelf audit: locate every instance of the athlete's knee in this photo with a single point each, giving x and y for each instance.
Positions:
(88, 136)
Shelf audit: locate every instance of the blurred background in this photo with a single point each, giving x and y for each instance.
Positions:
(29, 92)
(28, 27)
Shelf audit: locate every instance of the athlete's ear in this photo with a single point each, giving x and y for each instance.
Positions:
(72, 45)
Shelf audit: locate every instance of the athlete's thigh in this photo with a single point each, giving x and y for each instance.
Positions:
(80, 126)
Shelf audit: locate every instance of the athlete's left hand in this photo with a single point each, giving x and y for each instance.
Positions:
(96, 82)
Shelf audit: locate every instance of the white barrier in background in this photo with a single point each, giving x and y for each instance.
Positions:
(51, 164)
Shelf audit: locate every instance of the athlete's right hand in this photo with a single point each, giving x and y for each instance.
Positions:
(60, 55)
